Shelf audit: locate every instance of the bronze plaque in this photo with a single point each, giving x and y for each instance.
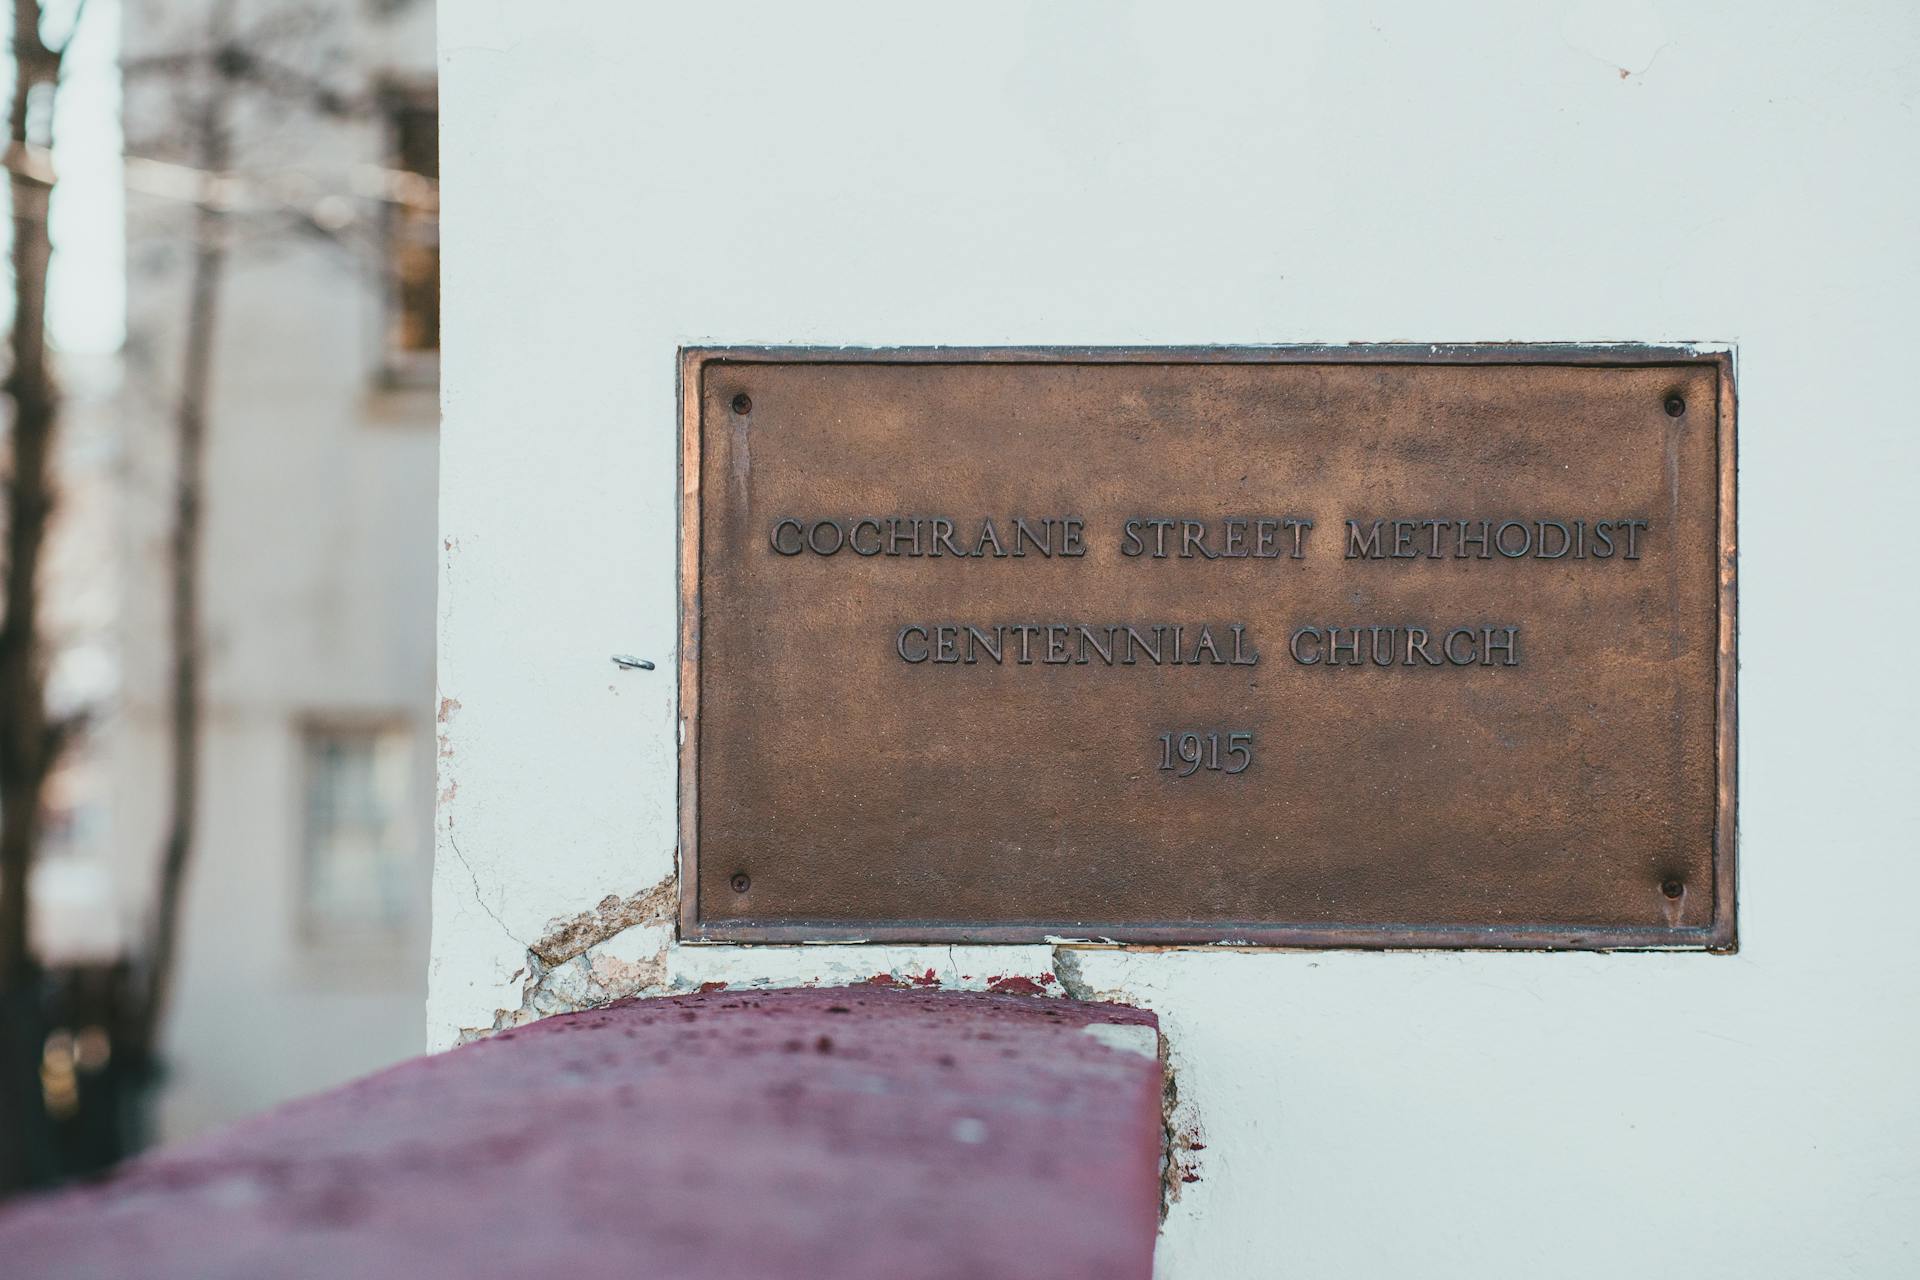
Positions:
(1355, 646)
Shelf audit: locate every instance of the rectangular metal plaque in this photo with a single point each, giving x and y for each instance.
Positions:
(1355, 646)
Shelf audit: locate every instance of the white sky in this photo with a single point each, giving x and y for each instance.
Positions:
(87, 302)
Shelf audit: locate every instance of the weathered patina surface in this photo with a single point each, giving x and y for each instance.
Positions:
(1374, 646)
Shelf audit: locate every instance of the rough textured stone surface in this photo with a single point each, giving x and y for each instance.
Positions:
(846, 1132)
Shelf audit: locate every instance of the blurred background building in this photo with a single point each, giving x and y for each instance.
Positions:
(303, 936)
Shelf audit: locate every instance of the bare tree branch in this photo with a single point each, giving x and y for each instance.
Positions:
(28, 742)
(211, 148)
(30, 497)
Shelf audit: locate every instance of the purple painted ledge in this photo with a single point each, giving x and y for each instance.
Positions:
(852, 1132)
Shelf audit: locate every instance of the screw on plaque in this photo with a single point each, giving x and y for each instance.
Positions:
(1676, 406)
(740, 883)
(1673, 886)
(743, 404)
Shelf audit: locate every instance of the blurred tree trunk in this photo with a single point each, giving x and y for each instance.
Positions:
(210, 151)
(29, 743)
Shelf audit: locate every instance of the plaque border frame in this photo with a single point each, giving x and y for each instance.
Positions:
(1718, 936)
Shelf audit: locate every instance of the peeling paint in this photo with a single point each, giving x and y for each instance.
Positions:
(569, 936)
(633, 962)
(618, 949)
(449, 785)
(903, 983)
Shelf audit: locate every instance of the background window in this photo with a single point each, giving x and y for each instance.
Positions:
(413, 233)
(358, 846)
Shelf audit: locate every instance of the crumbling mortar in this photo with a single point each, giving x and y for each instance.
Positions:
(1179, 1164)
(1066, 967)
(562, 976)
(576, 934)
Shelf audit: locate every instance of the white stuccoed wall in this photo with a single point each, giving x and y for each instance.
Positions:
(623, 178)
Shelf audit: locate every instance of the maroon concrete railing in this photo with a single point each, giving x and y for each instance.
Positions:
(854, 1132)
